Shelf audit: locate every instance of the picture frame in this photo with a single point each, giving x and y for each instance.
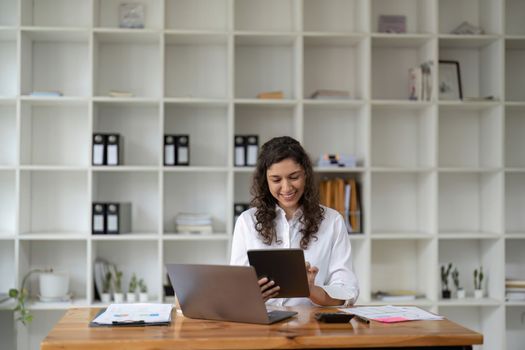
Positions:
(450, 87)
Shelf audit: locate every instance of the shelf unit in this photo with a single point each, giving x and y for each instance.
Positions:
(442, 181)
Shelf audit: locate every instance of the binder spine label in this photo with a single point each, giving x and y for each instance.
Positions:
(98, 223)
(113, 155)
(251, 156)
(98, 154)
(182, 155)
(169, 154)
(112, 223)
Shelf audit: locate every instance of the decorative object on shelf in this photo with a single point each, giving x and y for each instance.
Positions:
(445, 272)
(324, 94)
(105, 297)
(131, 15)
(101, 269)
(131, 295)
(99, 149)
(238, 209)
(420, 82)
(118, 295)
(118, 218)
(336, 160)
(246, 150)
(49, 93)
(344, 197)
(98, 222)
(478, 280)
(54, 286)
(193, 223)
(114, 149)
(20, 295)
(271, 95)
(466, 28)
(121, 94)
(392, 24)
(450, 80)
(143, 291)
(460, 292)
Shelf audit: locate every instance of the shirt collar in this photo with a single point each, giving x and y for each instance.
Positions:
(298, 213)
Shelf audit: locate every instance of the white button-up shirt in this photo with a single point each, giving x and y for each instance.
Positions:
(331, 253)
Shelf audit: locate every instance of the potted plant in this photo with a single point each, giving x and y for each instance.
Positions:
(131, 296)
(445, 272)
(106, 288)
(143, 291)
(478, 280)
(118, 296)
(460, 292)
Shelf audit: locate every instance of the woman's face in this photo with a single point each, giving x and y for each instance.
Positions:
(286, 181)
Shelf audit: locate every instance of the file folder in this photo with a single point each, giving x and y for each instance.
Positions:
(118, 218)
(98, 225)
(252, 149)
(182, 143)
(169, 149)
(99, 149)
(240, 150)
(113, 149)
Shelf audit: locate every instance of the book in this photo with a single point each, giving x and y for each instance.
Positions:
(116, 93)
(330, 94)
(275, 95)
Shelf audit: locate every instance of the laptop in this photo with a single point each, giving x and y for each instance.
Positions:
(221, 292)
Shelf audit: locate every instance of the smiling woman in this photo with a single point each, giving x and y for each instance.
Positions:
(286, 213)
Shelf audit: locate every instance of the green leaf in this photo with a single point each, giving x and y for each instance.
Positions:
(13, 293)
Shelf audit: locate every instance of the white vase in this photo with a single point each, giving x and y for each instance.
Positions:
(460, 293)
(118, 297)
(478, 293)
(143, 297)
(131, 297)
(105, 298)
(54, 285)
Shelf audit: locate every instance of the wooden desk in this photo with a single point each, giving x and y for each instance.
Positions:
(300, 332)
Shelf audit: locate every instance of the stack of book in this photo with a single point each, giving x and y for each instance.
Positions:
(337, 160)
(420, 82)
(324, 94)
(271, 95)
(393, 296)
(193, 223)
(344, 197)
(515, 289)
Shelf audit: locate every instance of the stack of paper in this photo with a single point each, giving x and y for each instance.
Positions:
(515, 289)
(140, 314)
(390, 314)
(194, 223)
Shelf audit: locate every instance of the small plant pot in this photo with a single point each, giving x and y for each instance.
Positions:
(118, 297)
(105, 298)
(478, 293)
(461, 293)
(143, 297)
(445, 294)
(131, 297)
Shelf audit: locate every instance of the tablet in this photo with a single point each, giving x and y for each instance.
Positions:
(284, 266)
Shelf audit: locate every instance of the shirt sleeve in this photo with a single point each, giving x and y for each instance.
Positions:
(342, 282)
(239, 248)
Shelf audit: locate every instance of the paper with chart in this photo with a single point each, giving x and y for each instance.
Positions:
(139, 312)
(389, 313)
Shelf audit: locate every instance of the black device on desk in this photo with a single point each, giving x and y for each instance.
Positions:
(286, 267)
(333, 317)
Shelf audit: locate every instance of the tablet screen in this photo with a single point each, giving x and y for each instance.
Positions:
(284, 266)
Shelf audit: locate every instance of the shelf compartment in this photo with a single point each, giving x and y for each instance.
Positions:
(183, 252)
(138, 124)
(140, 188)
(197, 15)
(8, 13)
(514, 137)
(402, 203)
(514, 202)
(335, 63)
(477, 196)
(267, 16)
(56, 13)
(515, 337)
(485, 14)
(107, 13)
(208, 130)
(52, 201)
(514, 259)
(55, 61)
(242, 183)
(480, 66)
(8, 63)
(403, 137)
(196, 66)
(514, 75)
(127, 62)
(470, 138)
(335, 16)
(207, 195)
(54, 134)
(392, 57)
(403, 264)
(8, 143)
(265, 63)
(514, 10)
(486, 320)
(62, 256)
(265, 121)
(132, 257)
(469, 254)
(7, 202)
(335, 130)
(7, 266)
(419, 14)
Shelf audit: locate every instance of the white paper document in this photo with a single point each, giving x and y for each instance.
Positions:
(135, 313)
(390, 314)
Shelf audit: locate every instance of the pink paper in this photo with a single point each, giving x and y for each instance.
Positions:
(391, 319)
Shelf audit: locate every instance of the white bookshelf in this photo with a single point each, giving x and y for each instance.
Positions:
(441, 181)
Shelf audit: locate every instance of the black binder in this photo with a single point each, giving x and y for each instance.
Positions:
(240, 150)
(99, 149)
(169, 150)
(118, 218)
(98, 222)
(182, 143)
(113, 149)
(252, 149)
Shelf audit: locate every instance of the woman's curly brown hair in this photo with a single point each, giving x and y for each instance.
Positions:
(274, 151)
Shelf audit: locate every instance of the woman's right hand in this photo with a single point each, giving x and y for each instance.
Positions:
(268, 288)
